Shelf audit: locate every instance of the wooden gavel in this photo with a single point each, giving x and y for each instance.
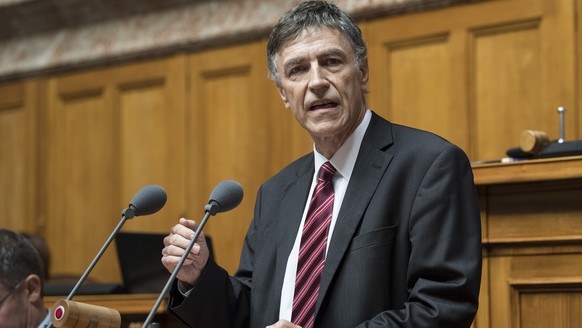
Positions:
(533, 142)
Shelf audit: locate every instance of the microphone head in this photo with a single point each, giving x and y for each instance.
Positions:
(225, 196)
(148, 200)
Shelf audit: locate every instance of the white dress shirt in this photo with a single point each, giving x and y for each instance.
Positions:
(344, 161)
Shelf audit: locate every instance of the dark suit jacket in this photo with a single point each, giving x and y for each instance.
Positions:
(405, 252)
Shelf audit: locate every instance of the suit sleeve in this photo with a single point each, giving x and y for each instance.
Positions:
(444, 270)
(218, 300)
(210, 302)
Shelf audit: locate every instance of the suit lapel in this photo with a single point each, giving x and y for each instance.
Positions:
(369, 168)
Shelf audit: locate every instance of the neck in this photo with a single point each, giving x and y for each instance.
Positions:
(328, 148)
(329, 145)
(38, 317)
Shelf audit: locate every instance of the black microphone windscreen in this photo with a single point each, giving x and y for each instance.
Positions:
(227, 194)
(149, 200)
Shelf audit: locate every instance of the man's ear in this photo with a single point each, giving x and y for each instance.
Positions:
(283, 95)
(364, 75)
(33, 287)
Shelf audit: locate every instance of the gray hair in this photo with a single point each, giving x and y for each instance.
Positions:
(18, 259)
(313, 14)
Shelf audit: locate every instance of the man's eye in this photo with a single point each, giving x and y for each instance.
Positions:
(333, 61)
(296, 70)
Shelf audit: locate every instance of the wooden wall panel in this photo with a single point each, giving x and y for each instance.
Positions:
(518, 213)
(509, 62)
(533, 245)
(578, 64)
(478, 75)
(230, 137)
(420, 83)
(507, 66)
(418, 74)
(482, 318)
(80, 177)
(239, 130)
(109, 133)
(152, 139)
(18, 153)
(558, 306)
(520, 285)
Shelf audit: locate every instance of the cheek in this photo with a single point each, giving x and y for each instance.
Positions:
(10, 318)
(295, 103)
(13, 313)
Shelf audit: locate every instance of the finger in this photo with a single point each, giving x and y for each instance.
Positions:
(183, 230)
(176, 239)
(173, 253)
(176, 251)
(191, 224)
(171, 262)
(188, 223)
(283, 324)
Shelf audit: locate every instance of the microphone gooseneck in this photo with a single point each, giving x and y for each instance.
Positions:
(149, 200)
(224, 197)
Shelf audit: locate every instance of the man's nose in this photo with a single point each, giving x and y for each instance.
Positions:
(318, 79)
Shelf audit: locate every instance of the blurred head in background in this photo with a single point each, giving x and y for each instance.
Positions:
(21, 279)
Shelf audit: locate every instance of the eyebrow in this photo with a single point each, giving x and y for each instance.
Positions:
(332, 52)
(325, 53)
(292, 62)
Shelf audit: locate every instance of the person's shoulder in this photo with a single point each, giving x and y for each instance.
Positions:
(292, 171)
(405, 135)
(419, 135)
(418, 141)
(418, 150)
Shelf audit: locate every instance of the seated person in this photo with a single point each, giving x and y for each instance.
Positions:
(21, 280)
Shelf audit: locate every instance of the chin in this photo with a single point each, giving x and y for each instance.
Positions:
(324, 131)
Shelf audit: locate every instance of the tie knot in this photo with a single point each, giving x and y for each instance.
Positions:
(326, 172)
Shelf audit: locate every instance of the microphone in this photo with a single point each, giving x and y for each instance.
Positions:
(148, 200)
(72, 314)
(224, 197)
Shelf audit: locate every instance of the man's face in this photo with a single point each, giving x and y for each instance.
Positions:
(321, 84)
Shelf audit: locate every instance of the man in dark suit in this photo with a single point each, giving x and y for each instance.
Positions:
(396, 217)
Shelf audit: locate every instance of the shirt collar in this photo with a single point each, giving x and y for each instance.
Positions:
(47, 320)
(344, 159)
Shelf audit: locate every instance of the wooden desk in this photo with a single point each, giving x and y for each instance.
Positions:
(531, 214)
(551, 169)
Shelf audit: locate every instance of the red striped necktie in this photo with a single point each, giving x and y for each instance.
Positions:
(312, 250)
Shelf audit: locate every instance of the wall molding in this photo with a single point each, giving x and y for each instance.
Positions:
(40, 37)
